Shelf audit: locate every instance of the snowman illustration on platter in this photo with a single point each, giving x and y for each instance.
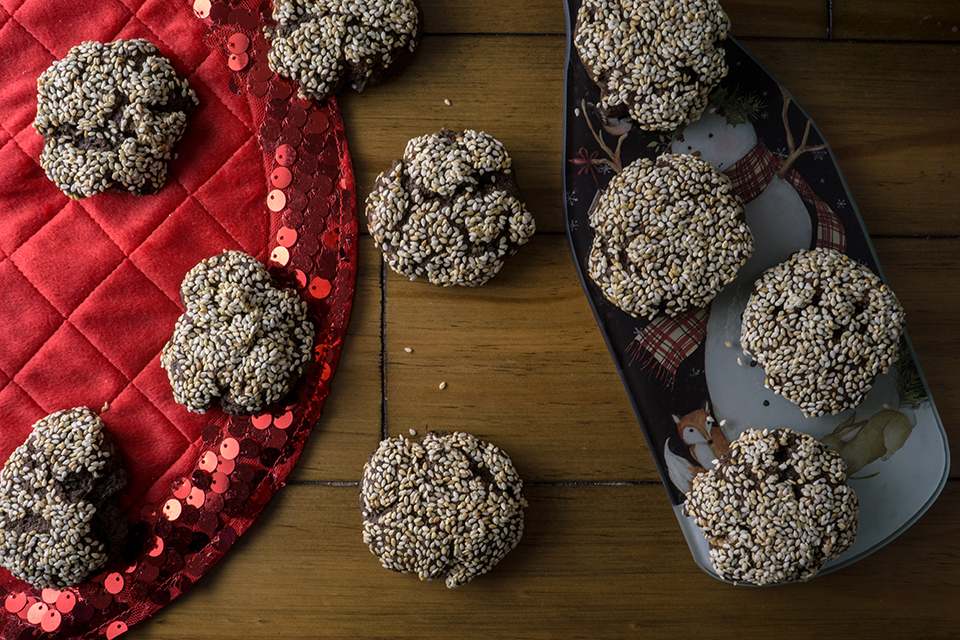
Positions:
(784, 216)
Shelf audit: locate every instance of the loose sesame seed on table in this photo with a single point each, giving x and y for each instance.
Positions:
(519, 362)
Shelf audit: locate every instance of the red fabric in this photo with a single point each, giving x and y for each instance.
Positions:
(91, 288)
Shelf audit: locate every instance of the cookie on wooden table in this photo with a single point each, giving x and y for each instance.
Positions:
(242, 341)
(823, 327)
(449, 506)
(655, 61)
(449, 210)
(325, 45)
(776, 508)
(669, 234)
(59, 501)
(110, 116)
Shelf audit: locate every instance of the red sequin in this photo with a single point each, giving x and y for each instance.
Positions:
(114, 629)
(172, 509)
(66, 601)
(238, 61)
(262, 422)
(208, 462)
(281, 177)
(229, 448)
(15, 602)
(280, 256)
(238, 43)
(201, 8)
(286, 237)
(276, 200)
(51, 620)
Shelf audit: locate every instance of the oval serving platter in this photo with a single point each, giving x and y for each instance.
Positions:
(686, 376)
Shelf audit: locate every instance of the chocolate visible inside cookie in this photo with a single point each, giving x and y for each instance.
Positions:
(448, 507)
(449, 210)
(823, 327)
(775, 509)
(654, 60)
(669, 235)
(241, 341)
(111, 115)
(326, 44)
(59, 510)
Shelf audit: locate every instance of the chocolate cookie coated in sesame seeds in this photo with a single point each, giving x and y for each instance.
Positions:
(59, 507)
(449, 210)
(823, 327)
(654, 60)
(111, 115)
(775, 509)
(449, 506)
(241, 341)
(669, 235)
(325, 45)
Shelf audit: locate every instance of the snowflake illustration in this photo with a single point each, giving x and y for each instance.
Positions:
(823, 181)
(819, 154)
(841, 203)
(605, 168)
(572, 197)
(764, 115)
(781, 153)
(574, 224)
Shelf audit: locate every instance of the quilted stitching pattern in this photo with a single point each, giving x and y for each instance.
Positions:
(92, 286)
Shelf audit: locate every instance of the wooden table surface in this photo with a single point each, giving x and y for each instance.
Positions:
(526, 367)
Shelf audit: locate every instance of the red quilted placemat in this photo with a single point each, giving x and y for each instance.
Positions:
(91, 290)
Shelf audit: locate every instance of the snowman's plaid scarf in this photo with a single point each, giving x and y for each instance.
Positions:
(666, 342)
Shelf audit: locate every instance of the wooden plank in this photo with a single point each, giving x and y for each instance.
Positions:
(510, 87)
(921, 272)
(594, 562)
(349, 426)
(895, 141)
(896, 20)
(771, 18)
(525, 367)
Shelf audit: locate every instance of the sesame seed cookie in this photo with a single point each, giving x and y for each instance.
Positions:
(654, 60)
(449, 210)
(669, 235)
(110, 116)
(775, 509)
(449, 506)
(59, 510)
(823, 327)
(241, 341)
(326, 44)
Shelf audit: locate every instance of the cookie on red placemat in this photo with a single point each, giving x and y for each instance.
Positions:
(110, 115)
(327, 44)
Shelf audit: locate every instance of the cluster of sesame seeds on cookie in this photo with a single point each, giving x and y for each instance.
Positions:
(775, 508)
(241, 341)
(46, 513)
(448, 506)
(111, 115)
(449, 210)
(669, 235)
(655, 60)
(823, 327)
(324, 44)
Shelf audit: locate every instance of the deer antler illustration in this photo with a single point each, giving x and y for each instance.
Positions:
(793, 151)
(614, 161)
